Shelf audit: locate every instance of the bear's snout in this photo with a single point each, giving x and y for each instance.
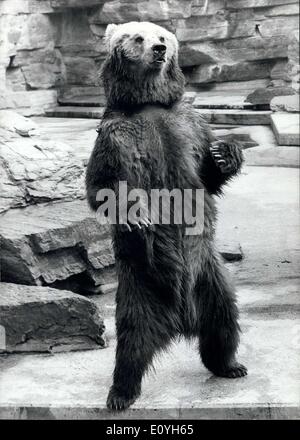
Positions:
(159, 49)
(159, 53)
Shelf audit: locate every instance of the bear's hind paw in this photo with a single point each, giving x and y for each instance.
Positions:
(117, 402)
(233, 371)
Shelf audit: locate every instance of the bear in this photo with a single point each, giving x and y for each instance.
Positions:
(170, 284)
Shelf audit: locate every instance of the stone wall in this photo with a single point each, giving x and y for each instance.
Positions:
(50, 48)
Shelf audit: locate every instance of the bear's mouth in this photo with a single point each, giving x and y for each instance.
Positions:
(159, 61)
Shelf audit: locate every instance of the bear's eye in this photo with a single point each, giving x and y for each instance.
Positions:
(139, 39)
(161, 39)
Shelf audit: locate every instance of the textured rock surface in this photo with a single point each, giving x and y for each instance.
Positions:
(41, 319)
(285, 103)
(50, 46)
(33, 169)
(286, 128)
(58, 244)
(264, 96)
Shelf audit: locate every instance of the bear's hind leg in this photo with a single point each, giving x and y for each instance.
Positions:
(141, 332)
(218, 321)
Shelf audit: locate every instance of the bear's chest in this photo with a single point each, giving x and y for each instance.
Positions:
(169, 143)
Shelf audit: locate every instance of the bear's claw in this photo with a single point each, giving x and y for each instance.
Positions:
(221, 155)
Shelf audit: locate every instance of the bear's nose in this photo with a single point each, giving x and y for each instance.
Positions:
(159, 49)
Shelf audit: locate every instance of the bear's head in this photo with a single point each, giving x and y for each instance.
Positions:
(141, 66)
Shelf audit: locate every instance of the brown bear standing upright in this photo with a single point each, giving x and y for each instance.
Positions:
(170, 283)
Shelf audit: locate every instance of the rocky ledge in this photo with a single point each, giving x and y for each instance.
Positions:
(41, 319)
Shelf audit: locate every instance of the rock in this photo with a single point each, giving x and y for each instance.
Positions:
(221, 101)
(255, 48)
(275, 26)
(32, 102)
(239, 4)
(285, 103)
(286, 128)
(194, 54)
(65, 4)
(244, 139)
(265, 95)
(81, 70)
(231, 251)
(243, 71)
(35, 170)
(12, 122)
(282, 9)
(212, 7)
(41, 319)
(202, 28)
(280, 71)
(233, 88)
(39, 76)
(59, 244)
(37, 32)
(15, 79)
(268, 156)
(293, 60)
(83, 101)
(68, 111)
(47, 56)
(70, 92)
(15, 7)
(235, 117)
(121, 12)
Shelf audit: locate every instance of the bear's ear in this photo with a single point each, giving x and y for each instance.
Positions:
(110, 30)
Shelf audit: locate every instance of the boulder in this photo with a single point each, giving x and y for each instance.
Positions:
(280, 71)
(39, 76)
(255, 48)
(56, 244)
(196, 53)
(35, 170)
(288, 103)
(157, 11)
(41, 319)
(243, 71)
(230, 251)
(12, 123)
(201, 28)
(37, 32)
(286, 128)
(15, 79)
(31, 102)
(265, 95)
(81, 70)
(275, 26)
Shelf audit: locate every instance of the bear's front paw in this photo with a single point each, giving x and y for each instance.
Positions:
(138, 220)
(227, 157)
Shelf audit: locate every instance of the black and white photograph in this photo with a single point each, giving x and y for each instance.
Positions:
(149, 213)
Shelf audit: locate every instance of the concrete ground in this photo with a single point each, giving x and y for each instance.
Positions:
(260, 210)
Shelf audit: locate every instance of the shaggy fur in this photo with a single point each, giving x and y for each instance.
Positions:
(170, 283)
